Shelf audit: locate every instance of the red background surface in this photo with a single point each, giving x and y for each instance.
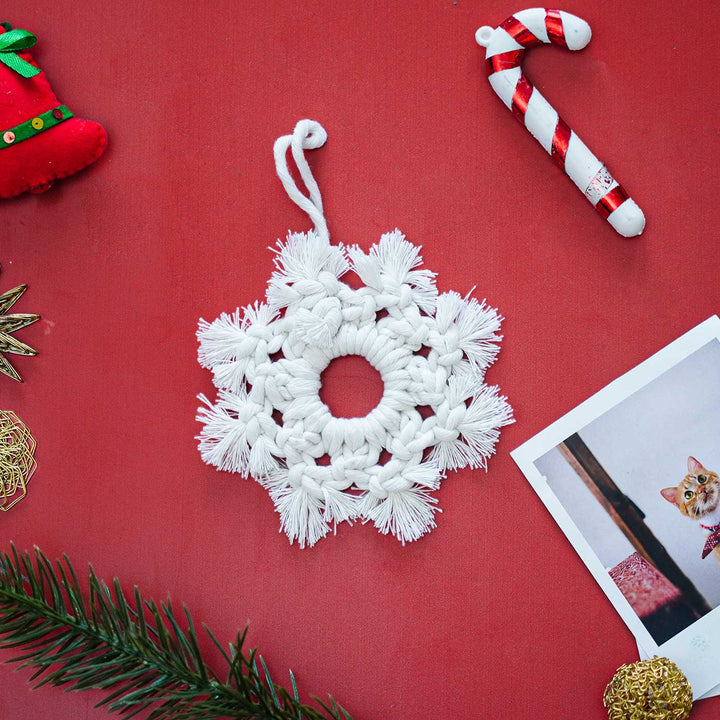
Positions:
(492, 614)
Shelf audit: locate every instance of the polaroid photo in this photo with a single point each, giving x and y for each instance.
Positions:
(632, 477)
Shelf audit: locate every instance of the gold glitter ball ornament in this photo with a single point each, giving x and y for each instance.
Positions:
(17, 459)
(648, 690)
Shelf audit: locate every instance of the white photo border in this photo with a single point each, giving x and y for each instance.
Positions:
(696, 649)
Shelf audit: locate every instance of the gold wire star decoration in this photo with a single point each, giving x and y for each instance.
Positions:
(10, 324)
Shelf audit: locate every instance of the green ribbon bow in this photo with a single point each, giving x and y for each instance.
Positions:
(10, 43)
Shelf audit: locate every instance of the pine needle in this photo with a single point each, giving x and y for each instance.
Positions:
(145, 658)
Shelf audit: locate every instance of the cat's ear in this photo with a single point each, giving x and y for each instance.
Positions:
(694, 465)
(670, 494)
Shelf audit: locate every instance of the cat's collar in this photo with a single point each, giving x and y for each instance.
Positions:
(711, 528)
(713, 540)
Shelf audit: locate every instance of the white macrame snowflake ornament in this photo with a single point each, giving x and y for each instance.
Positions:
(431, 350)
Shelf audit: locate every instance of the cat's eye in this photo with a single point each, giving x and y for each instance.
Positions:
(689, 494)
(702, 479)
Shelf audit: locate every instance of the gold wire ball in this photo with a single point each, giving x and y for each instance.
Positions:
(648, 690)
(17, 459)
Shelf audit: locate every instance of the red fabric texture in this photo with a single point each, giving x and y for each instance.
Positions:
(34, 164)
(492, 615)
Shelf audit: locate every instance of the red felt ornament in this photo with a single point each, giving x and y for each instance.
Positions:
(40, 139)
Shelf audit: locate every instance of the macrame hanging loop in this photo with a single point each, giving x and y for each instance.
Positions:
(431, 350)
(308, 135)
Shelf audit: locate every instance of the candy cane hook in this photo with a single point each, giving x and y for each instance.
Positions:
(505, 49)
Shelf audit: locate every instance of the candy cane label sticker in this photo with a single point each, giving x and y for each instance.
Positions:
(505, 48)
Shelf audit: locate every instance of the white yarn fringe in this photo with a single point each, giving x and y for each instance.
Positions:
(406, 514)
(301, 515)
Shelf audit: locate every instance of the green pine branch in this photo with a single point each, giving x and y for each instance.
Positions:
(136, 652)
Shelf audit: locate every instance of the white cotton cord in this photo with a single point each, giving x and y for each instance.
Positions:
(308, 135)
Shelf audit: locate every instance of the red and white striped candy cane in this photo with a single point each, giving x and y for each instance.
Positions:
(505, 49)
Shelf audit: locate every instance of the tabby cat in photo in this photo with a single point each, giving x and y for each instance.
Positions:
(698, 497)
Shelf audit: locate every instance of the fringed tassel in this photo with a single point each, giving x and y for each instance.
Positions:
(261, 461)
(407, 514)
(280, 294)
(220, 340)
(303, 256)
(231, 375)
(301, 514)
(472, 431)
(475, 324)
(396, 258)
(227, 349)
(223, 439)
(477, 327)
(407, 510)
(366, 267)
(487, 413)
(340, 506)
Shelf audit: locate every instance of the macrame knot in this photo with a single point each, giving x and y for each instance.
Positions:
(376, 487)
(396, 484)
(422, 441)
(360, 309)
(295, 475)
(319, 326)
(288, 380)
(312, 486)
(255, 333)
(311, 291)
(450, 359)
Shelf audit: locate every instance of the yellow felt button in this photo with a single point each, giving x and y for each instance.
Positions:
(37, 123)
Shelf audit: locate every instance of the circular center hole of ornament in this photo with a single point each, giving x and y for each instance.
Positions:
(351, 386)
